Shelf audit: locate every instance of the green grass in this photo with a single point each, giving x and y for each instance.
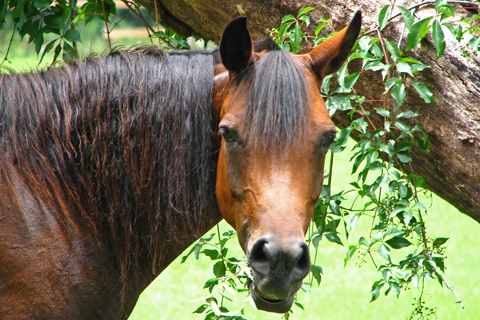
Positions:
(344, 292)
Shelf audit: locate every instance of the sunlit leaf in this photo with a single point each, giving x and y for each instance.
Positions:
(417, 32)
(304, 10)
(384, 252)
(399, 94)
(383, 17)
(407, 17)
(438, 38)
(424, 92)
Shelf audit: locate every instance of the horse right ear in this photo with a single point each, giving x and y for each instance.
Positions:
(328, 56)
(236, 48)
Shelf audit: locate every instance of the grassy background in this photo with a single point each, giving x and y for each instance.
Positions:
(344, 292)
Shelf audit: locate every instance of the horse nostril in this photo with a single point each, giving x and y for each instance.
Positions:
(302, 262)
(259, 258)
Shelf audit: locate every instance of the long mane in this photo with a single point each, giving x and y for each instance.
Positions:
(121, 145)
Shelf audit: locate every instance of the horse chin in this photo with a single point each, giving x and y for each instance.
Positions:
(271, 305)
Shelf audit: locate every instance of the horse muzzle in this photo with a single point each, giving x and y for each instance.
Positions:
(278, 271)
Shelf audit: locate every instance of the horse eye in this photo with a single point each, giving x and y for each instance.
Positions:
(229, 135)
(328, 140)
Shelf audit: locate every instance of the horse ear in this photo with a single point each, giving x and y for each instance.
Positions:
(329, 55)
(236, 48)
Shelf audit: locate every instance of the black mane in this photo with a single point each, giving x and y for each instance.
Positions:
(121, 144)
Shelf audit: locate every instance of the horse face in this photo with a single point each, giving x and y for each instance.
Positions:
(274, 137)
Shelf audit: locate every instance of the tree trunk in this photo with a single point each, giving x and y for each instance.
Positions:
(451, 167)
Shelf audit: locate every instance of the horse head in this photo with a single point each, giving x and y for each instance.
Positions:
(275, 131)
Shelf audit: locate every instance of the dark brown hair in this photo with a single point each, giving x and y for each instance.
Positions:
(121, 145)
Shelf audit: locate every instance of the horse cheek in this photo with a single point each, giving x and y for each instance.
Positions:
(224, 197)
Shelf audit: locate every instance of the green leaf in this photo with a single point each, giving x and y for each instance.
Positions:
(305, 19)
(57, 51)
(420, 206)
(384, 252)
(407, 217)
(383, 17)
(334, 208)
(38, 43)
(404, 146)
(298, 304)
(424, 92)
(407, 114)
(376, 66)
(342, 139)
(439, 3)
(399, 94)
(403, 127)
(402, 192)
(41, 4)
(403, 67)
(446, 11)
(381, 180)
(212, 254)
(351, 80)
(438, 38)
(287, 18)
(398, 242)
(297, 37)
(383, 112)
(390, 83)
(439, 241)
(417, 32)
(458, 33)
(395, 287)
(351, 251)
(407, 17)
(342, 74)
(474, 42)
(333, 237)
(198, 247)
(47, 49)
(376, 288)
(353, 220)
(404, 157)
(317, 273)
(303, 11)
(219, 269)
(392, 47)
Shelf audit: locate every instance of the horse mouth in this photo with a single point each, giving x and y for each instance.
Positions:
(268, 304)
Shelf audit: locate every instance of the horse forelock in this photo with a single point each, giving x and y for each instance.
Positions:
(275, 116)
(125, 141)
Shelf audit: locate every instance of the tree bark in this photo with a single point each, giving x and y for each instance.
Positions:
(451, 167)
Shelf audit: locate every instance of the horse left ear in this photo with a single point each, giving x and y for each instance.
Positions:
(329, 55)
(236, 48)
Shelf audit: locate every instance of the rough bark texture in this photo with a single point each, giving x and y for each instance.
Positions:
(451, 167)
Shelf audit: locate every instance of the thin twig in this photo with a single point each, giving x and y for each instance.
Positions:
(427, 250)
(9, 45)
(106, 26)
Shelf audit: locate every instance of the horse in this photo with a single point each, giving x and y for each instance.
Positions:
(112, 166)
